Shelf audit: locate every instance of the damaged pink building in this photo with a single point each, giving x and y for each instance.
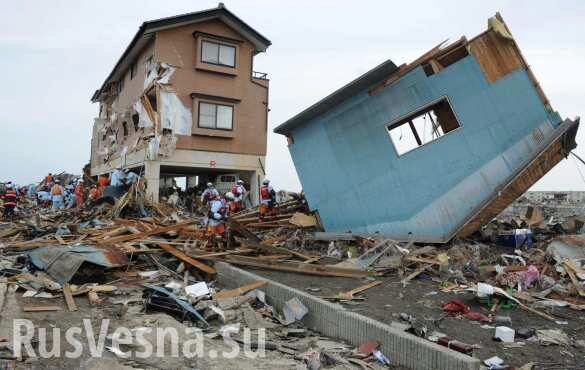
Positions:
(183, 101)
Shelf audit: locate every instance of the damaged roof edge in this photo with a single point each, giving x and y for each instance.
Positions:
(361, 83)
(201, 15)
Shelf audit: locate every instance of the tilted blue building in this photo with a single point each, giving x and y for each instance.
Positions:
(432, 149)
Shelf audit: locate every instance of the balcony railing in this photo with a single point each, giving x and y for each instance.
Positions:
(260, 75)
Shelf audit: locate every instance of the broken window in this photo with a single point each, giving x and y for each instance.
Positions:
(422, 126)
(220, 54)
(125, 128)
(133, 69)
(148, 64)
(135, 120)
(216, 116)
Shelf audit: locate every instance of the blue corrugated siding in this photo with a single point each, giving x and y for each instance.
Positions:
(350, 172)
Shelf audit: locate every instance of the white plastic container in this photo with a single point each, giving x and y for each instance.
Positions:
(505, 334)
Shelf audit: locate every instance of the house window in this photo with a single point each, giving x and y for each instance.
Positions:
(220, 54)
(125, 128)
(120, 85)
(422, 126)
(133, 69)
(216, 116)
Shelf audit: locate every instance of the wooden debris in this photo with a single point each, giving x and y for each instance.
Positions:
(156, 231)
(239, 291)
(350, 295)
(185, 258)
(69, 298)
(40, 308)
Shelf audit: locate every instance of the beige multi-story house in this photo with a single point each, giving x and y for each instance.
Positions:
(183, 100)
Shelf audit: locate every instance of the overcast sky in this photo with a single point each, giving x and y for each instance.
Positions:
(54, 54)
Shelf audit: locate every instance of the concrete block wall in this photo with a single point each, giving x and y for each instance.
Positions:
(333, 320)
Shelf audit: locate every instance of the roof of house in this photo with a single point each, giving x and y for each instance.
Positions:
(361, 83)
(146, 32)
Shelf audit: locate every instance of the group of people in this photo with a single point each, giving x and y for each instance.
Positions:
(220, 207)
(58, 196)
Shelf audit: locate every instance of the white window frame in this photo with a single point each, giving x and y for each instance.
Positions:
(217, 107)
(217, 60)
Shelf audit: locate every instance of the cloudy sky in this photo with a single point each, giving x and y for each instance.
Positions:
(54, 54)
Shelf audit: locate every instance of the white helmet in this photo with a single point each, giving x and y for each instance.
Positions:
(9, 186)
(266, 182)
(209, 184)
(80, 181)
(229, 195)
(240, 182)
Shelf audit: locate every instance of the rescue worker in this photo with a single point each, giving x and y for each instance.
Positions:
(102, 182)
(49, 180)
(10, 198)
(69, 198)
(57, 196)
(267, 199)
(94, 193)
(239, 191)
(209, 194)
(44, 197)
(130, 177)
(79, 193)
(216, 217)
(230, 202)
(117, 178)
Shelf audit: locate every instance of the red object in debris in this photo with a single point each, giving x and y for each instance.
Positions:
(456, 345)
(368, 347)
(477, 316)
(455, 306)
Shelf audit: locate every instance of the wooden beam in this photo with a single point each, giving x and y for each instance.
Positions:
(40, 308)
(187, 259)
(156, 231)
(299, 267)
(239, 291)
(69, 298)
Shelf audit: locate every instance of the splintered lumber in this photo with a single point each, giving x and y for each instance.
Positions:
(94, 298)
(187, 259)
(299, 267)
(155, 231)
(69, 298)
(349, 295)
(570, 268)
(239, 291)
(415, 274)
(95, 288)
(40, 308)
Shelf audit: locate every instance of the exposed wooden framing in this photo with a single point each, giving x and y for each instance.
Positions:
(349, 295)
(185, 258)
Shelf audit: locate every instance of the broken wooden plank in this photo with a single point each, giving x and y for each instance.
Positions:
(574, 280)
(185, 258)
(239, 291)
(299, 267)
(156, 231)
(95, 288)
(349, 295)
(69, 298)
(415, 274)
(40, 308)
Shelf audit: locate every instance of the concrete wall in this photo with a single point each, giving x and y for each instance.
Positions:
(351, 173)
(179, 47)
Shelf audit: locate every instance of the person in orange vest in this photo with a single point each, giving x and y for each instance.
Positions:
(10, 198)
(58, 196)
(49, 180)
(218, 212)
(239, 191)
(79, 192)
(267, 200)
(94, 193)
(102, 182)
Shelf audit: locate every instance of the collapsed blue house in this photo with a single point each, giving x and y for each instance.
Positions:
(433, 149)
